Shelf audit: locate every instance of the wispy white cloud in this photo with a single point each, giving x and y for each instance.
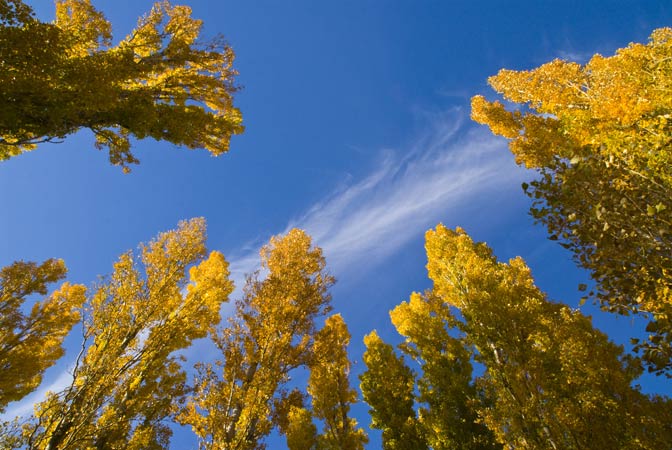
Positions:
(409, 191)
(581, 57)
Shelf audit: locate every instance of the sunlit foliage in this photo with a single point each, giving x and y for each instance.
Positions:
(329, 388)
(599, 137)
(447, 394)
(270, 334)
(161, 81)
(30, 342)
(550, 380)
(127, 381)
(331, 397)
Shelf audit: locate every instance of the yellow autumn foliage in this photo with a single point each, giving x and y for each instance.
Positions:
(161, 81)
(30, 342)
(599, 137)
(551, 380)
(270, 334)
(128, 380)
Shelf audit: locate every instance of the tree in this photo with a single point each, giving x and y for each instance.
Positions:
(128, 380)
(442, 391)
(330, 396)
(329, 388)
(388, 387)
(270, 334)
(30, 343)
(447, 395)
(599, 136)
(551, 380)
(161, 81)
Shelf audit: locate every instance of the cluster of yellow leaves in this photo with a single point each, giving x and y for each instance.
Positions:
(30, 343)
(330, 396)
(599, 135)
(161, 81)
(330, 391)
(270, 334)
(442, 390)
(446, 392)
(550, 379)
(127, 380)
(615, 106)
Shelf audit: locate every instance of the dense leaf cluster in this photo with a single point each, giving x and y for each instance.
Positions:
(161, 81)
(550, 379)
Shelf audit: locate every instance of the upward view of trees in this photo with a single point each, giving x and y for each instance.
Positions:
(486, 360)
(30, 343)
(127, 380)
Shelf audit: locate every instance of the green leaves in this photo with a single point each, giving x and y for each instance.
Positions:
(388, 387)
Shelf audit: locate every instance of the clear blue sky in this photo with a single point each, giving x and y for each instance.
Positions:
(357, 116)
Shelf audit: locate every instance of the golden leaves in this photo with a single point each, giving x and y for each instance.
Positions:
(546, 366)
(549, 380)
(503, 122)
(162, 82)
(599, 137)
(128, 379)
(31, 342)
(329, 388)
(85, 28)
(270, 334)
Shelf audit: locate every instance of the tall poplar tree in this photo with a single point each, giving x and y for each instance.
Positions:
(270, 334)
(31, 342)
(128, 382)
(551, 380)
(447, 396)
(331, 396)
(388, 386)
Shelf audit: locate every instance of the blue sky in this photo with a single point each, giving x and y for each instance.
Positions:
(358, 130)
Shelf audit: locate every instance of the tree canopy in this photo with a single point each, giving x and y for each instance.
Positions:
(270, 334)
(127, 381)
(161, 81)
(550, 379)
(599, 136)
